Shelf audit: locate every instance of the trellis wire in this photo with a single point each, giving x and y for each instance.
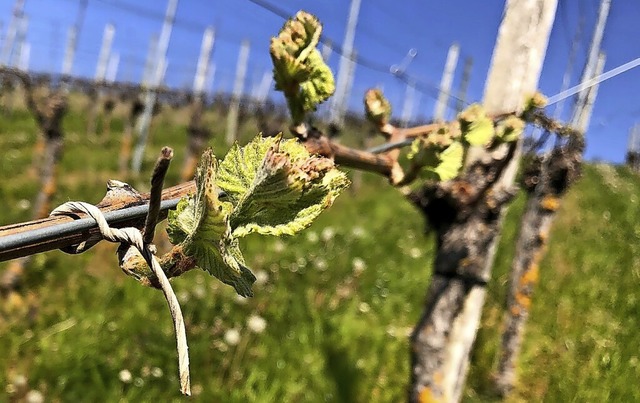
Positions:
(39, 235)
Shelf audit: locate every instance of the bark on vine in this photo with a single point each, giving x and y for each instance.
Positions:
(467, 213)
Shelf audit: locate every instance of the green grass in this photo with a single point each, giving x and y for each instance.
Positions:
(338, 300)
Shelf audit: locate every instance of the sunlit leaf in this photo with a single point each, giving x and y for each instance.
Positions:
(277, 188)
(201, 223)
(477, 128)
(298, 68)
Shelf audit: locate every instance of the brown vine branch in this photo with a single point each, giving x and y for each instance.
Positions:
(155, 195)
(112, 202)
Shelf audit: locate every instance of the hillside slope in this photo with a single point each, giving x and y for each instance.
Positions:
(338, 301)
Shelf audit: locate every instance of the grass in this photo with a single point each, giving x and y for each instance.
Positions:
(338, 300)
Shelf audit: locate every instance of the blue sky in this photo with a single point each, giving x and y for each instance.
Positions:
(386, 31)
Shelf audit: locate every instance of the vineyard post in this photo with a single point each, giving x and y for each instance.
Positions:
(109, 103)
(197, 134)
(12, 29)
(156, 73)
(327, 49)
(594, 50)
(464, 84)
(633, 148)
(554, 173)
(407, 106)
(23, 48)
(101, 72)
(566, 79)
(262, 92)
(48, 116)
(211, 75)
(238, 88)
(149, 62)
(72, 40)
(69, 53)
(445, 83)
(135, 110)
(341, 95)
(349, 84)
(468, 234)
(8, 47)
(25, 56)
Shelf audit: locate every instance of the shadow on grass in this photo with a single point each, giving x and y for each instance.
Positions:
(341, 369)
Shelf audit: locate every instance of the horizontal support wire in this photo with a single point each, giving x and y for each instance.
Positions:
(9, 244)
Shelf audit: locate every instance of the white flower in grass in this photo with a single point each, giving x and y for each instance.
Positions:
(261, 277)
(278, 246)
(359, 265)
(328, 233)
(183, 296)
(358, 232)
(34, 396)
(364, 307)
(415, 253)
(321, 264)
(256, 323)
(199, 291)
(196, 389)
(312, 237)
(232, 337)
(156, 372)
(20, 381)
(125, 376)
(24, 204)
(391, 331)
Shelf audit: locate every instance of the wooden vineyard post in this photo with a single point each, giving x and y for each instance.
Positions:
(198, 135)
(48, 116)
(135, 110)
(445, 83)
(468, 219)
(101, 73)
(546, 181)
(238, 87)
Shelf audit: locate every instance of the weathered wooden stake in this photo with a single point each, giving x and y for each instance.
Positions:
(101, 72)
(155, 79)
(341, 96)
(238, 88)
(546, 182)
(198, 135)
(446, 82)
(468, 218)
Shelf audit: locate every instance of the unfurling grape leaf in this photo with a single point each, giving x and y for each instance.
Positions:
(282, 188)
(509, 129)
(477, 128)
(298, 69)
(273, 187)
(437, 162)
(377, 108)
(535, 101)
(201, 225)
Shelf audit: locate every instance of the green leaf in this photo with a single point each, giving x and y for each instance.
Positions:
(201, 224)
(451, 160)
(238, 169)
(509, 129)
(435, 162)
(477, 129)
(276, 187)
(298, 68)
(377, 108)
(273, 187)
